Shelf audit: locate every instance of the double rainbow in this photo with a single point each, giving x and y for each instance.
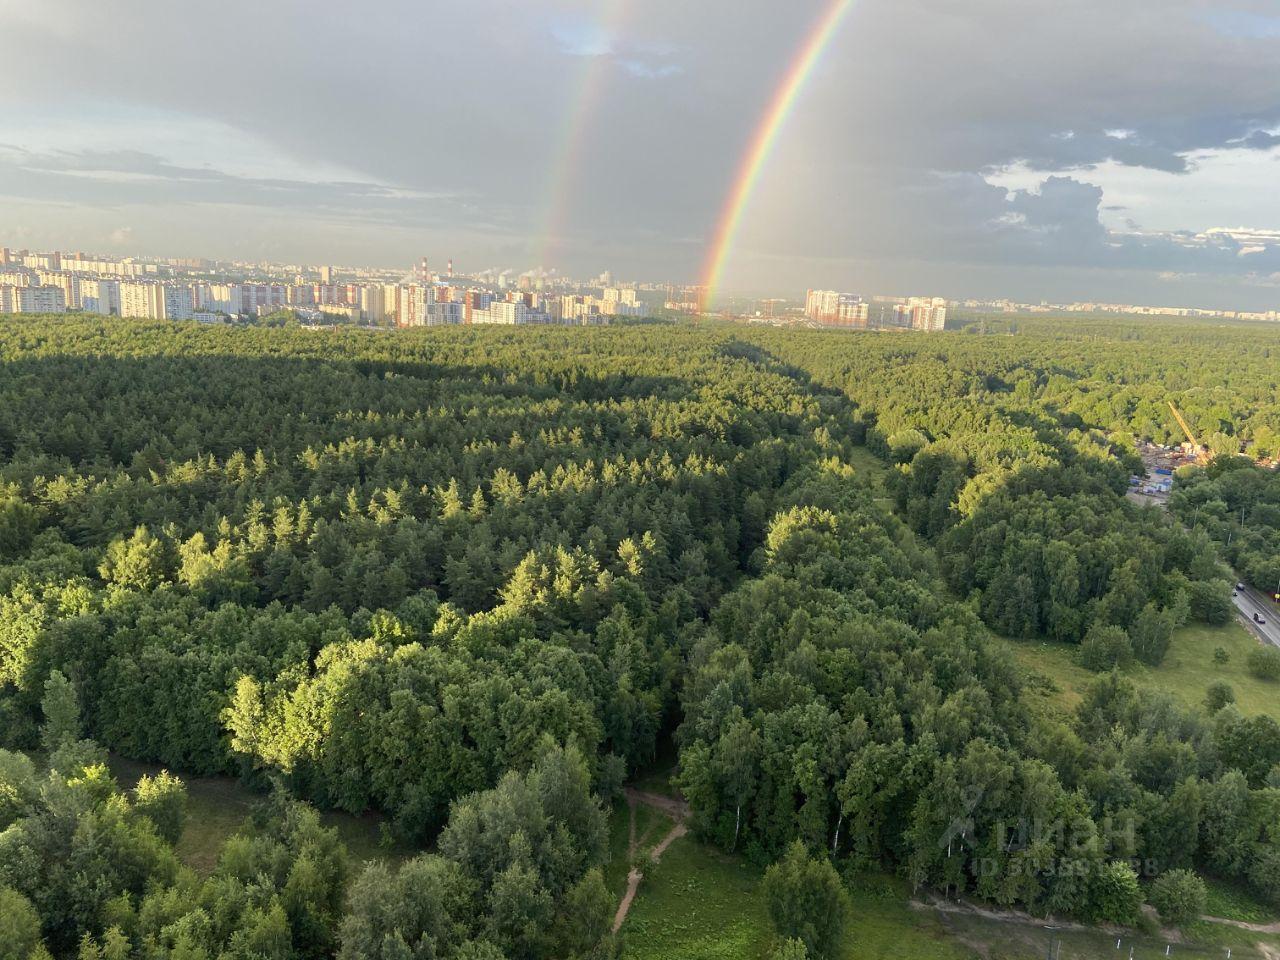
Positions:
(585, 106)
(764, 140)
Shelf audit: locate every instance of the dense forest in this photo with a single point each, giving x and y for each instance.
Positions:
(474, 579)
(1239, 506)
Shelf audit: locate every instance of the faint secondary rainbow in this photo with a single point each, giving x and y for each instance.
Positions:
(762, 143)
(590, 91)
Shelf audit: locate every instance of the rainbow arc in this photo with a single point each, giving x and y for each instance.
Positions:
(591, 87)
(763, 141)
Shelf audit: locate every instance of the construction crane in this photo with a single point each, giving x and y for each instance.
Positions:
(1201, 452)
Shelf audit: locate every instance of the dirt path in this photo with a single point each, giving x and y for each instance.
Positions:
(1017, 916)
(988, 913)
(1252, 927)
(678, 831)
(678, 810)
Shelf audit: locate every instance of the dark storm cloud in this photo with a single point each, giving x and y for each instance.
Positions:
(451, 117)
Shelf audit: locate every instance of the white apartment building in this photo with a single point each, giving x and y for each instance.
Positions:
(926, 314)
(156, 301)
(68, 283)
(143, 300)
(822, 304)
(110, 268)
(42, 261)
(100, 296)
(32, 299)
(501, 312)
(444, 313)
(373, 304)
(179, 304)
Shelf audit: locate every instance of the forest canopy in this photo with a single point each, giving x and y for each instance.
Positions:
(474, 580)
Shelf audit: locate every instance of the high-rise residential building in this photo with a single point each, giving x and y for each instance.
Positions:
(929, 315)
(409, 304)
(854, 313)
(444, 313)
(179, 304)
(831, 308)
(100, 296)
(473, 301)
(141, 299)
(68, 283)
(259, 298)
(15, 299)
(326, 276)
(156, 301)
(373, 304)
(822, 305)
(43, 261)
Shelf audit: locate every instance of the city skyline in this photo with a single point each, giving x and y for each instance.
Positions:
(855, 145)
(69, 279)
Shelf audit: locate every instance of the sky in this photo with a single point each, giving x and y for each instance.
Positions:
(1115, 150)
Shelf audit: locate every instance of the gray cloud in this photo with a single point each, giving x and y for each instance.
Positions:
(450, 119)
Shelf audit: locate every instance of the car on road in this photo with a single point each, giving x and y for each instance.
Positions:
(1259, 619)
(1240, 586)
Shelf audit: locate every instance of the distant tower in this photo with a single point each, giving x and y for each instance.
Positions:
(450, 268)
(326, 275)
(424, 273)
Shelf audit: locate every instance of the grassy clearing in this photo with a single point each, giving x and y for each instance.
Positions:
(650, 827)
(1187, 671)
(700, 904)
(1233, 902)
(697, 904)
(882, 923)
(870, 468)
(218, 807)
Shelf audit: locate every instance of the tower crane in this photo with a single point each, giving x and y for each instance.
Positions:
(1201, 453)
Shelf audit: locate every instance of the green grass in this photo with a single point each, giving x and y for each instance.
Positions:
(869, 467)
(882, 923)
(651, 826)
(1232, 902)
(697, 904)
(700, 904)
(615, 871)
(217, 807)
(1187, 671)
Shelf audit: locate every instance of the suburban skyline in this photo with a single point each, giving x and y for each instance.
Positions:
(606, 135)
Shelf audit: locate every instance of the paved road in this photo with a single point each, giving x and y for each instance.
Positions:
(1249, 602)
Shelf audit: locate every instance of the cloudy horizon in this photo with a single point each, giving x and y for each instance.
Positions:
(1091, 151)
